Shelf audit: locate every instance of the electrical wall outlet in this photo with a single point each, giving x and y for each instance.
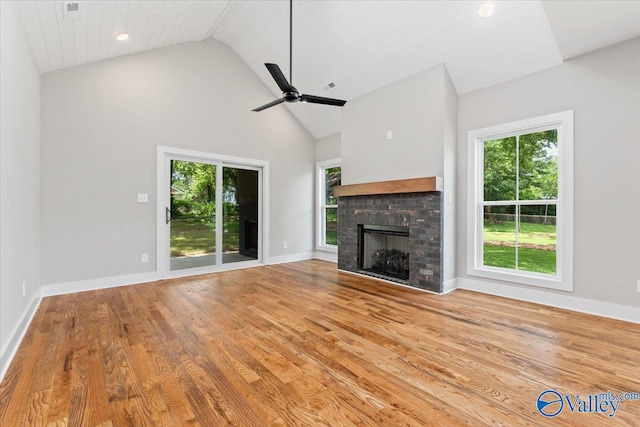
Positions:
(389, 134)
(284, 245)
(143, 198)
(24, 288)
(144, 258)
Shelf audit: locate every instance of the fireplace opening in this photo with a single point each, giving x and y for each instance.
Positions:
(384, 251)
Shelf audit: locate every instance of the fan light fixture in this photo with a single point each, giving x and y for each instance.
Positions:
(485, 10)
(122, 36)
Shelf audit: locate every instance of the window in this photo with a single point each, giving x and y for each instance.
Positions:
(327, 177)
(520, 202)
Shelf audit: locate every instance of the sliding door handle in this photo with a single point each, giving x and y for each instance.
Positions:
(167, 215)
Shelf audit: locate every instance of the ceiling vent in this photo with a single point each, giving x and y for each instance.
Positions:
(70, 10)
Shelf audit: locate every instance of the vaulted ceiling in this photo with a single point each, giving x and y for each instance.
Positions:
(358, 45)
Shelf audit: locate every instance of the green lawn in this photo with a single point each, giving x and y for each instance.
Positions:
(197, 237)
(534, 234)
(536, 251)
(536, 260)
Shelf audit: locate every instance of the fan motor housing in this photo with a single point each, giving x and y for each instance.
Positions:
(292, 96)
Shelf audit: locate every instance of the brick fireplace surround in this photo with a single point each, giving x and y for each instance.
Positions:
(420, 211)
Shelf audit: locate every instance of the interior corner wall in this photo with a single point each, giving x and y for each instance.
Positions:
(19, 181)
(603, 89)
(328, 147)
(101, 124)
(450, 143)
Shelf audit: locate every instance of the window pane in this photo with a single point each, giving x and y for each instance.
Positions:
(537, 239)
(331, 226)
(499, 237)
(538, 165)
(500, 169)
(331, 179)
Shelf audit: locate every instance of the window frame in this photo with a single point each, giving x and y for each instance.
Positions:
(321, 206)
(563, 279)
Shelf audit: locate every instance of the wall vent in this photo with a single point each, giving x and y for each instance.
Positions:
(330, 86)
(70, 10)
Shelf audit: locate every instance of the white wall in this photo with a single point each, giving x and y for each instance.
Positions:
(328, 147)
(19, 181)
(603, 89)
(413, 110)
(101, 124)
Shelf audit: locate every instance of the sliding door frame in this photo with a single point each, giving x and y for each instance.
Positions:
(164, 156)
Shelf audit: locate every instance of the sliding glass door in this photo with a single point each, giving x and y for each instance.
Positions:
(211, 213)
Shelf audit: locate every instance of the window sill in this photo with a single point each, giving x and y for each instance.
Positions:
(532, 279)
(327, 248)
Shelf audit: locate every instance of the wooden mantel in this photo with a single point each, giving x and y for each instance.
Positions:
(414, 185)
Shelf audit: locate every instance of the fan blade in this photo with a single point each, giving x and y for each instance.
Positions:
(271, 104)
(320, 100)
(277, 75)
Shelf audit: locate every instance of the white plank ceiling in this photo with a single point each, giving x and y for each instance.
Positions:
(359, 45)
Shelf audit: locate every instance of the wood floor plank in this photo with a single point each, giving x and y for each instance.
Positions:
(302, 344)
(17, 395)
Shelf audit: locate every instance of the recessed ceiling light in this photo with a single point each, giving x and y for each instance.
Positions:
(122, 36)
(485, 10)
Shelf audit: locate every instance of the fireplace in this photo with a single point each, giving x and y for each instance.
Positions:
(384, 251)
(392, 230)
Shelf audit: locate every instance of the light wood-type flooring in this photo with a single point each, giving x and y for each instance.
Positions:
(301, 344)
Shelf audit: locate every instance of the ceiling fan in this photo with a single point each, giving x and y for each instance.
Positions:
(289, 92)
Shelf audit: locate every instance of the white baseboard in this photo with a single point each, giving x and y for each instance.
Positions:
(289, 258)
(94, 284)
(582, 305)
(9, 352)
(326, 256)
(449, 286)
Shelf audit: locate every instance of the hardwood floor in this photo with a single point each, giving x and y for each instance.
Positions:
(301, 344)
